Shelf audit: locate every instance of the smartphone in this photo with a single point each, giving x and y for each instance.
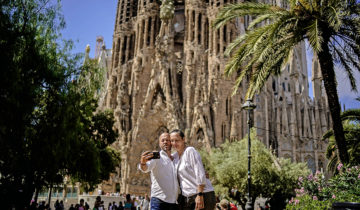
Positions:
(156, 155)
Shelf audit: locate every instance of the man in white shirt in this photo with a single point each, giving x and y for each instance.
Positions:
(164, 184)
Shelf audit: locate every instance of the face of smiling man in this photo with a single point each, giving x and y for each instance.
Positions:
(164, 142)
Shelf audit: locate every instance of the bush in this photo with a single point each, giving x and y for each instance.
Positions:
(271, 177)
(316, 193)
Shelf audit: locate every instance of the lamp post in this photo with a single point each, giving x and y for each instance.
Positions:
(249, 106)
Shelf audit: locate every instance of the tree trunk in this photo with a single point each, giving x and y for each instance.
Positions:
(49, 195)
(36, 194)
(328, 74)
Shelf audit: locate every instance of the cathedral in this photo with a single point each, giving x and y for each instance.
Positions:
(165, 71)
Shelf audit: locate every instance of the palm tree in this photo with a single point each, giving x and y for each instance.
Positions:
(351, 124)
(332, 28)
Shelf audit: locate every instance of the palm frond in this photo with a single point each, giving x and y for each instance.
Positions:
(255, 39)
(274, 13)
(235, 44)
(251, 38)
(292, 3)
(351, 48)
(235, 62)
(344, 61)
(232, 11)
(351, 27)
(264, 69)
(333, 17)
(351, 114)
(315, 36)
(259, 20)
(333, 162)
(327, 134)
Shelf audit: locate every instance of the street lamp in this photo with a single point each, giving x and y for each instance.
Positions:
(249, 106)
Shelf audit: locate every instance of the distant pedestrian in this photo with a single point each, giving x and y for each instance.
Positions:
(81, 205)
(72, 207)
(226, 205)
(120, 207)
(128, 205)
(114, 206)
(61, 205)
(87, 207)
(144, 205)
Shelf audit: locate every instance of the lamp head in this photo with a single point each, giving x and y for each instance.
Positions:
(248, 105)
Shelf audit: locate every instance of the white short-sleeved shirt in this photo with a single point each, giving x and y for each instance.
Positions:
(191, 172)
(164, 184)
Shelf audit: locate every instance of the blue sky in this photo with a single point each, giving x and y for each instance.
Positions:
(87, 19)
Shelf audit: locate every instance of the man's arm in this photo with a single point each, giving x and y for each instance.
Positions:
(145, 157)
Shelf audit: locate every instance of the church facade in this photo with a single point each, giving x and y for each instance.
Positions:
(166, 72)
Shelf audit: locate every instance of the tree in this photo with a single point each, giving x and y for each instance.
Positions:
(351, 123)
(49, 127)
(331, 27)
(271, 177)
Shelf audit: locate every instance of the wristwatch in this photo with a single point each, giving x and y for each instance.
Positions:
(200, 194)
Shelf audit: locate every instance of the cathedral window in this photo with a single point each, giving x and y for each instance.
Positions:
(206, 34)
(131, 46)
(142, 34)
(192, 28)
(170, 81)
(123, 51)
(218, 44)
(199, 28)
(149, 32)
(117, 52)
(274, 85)
(134, 8)
(227, 107)
(223, 131)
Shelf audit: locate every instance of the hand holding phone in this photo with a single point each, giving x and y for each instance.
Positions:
(146, 156)
(155, 155)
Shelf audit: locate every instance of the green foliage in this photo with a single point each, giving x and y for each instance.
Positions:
(315, 193)
(307, 202)
(270, 176)
(92, 79)
(48, 128)
(351, 124)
